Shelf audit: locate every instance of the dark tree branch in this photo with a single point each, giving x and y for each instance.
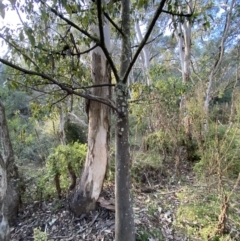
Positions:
(144, 40)
(148, 42)
(177, 14)
(96, 40)
(74, 43)
(72, 54)
(110, 61)
(102, 40)
(96, 86)
(100, 22)
(20, 51)
(39, 90)
(71, 23)
(114, 24)
(67, 88)
(59, 100)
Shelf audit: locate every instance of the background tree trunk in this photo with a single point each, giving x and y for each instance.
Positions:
(219, 59)
(183, 36)
(144, 54)
(9, 195)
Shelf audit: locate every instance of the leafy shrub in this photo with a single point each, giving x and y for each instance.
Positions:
(158, 141)
(147, 168)
(219, 151)
(38, 235)
(65, 163)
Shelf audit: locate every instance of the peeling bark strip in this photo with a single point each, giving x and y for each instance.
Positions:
(9, 195)
(90, 185)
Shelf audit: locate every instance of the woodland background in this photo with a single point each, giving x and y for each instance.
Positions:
(184, 113)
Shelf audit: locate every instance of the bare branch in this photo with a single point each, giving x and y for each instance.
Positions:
(177, 14)
(95, 86)
(143, 42)
(148, 42)
(72, 54)
(102, 40)
(59, 100)
(114, 24)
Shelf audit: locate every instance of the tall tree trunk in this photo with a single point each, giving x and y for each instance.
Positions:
(124, 226)
(183, 35)
(218, 61)
(89, 188)
(144, 54)
(9, 194)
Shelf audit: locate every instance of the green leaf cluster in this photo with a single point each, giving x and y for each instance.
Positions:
(63, 155)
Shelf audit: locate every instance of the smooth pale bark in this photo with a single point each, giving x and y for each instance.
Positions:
(183, 36)
(91, 182)
(219, 58)
(144, 53)
(9, 195)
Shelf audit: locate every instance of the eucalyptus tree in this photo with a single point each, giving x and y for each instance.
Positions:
(54, 58)
(91, 182)
(224, 35)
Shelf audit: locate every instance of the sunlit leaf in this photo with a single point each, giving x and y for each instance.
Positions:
(29, 33)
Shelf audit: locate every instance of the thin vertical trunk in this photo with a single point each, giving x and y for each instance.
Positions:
(124, 226)
(232, 112)
(183, 35)
(9, 195)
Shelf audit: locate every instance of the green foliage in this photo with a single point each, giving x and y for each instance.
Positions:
(144, 234)
(146, 168)
(63, 155)
(39, 235)
(219, 151)
(198, 213)
(57, 164)
(159, 142)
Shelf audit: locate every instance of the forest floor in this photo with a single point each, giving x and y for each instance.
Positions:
(155, 208)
